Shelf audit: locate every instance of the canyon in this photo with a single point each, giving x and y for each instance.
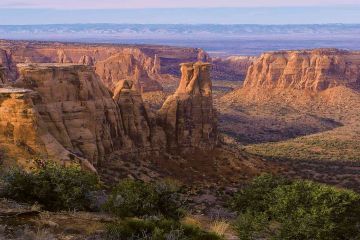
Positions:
(296, 81)
(63, 110)
(146, 65)
(300, 108)
(154, 111)
(86, 104)
(233, 68)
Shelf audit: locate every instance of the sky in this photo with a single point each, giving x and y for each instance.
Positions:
(13, 12)
(111, 4)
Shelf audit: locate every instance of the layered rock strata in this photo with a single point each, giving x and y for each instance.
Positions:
(188, 116)
(22, 126)
(77, 109)
(113, 63)
(138, 122)
(121, 67)
(65, 111)
(313, 70)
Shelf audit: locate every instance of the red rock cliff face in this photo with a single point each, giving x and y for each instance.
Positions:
(125, 66)
(138, 121)
(18, 119)
(313, 70)
(188, 116)
(81, 114)
(23, 129)
(65, 111)
(113, 63)
(76, 108)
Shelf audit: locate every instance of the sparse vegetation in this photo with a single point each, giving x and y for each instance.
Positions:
(53, 186)
(320, 148)
(132, 198)
(156, 229)
(220, 227)
(281, 209)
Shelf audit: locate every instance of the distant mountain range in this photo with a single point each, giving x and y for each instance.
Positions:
(218, 40)
(160, 31)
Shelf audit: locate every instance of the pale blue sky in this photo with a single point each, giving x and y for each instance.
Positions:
(179, 11)
(111, 4)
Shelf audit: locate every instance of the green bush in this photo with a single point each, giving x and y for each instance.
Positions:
(160, 229)
(296, 210)
(132, 198)
(250, 225)
(308, 210)
(255, 197)
(55, 187)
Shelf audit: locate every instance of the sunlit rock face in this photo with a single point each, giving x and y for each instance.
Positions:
(77, 109)
(23, 129)
(149, 65)
(63, 111)
(313, 70)
(188, 116)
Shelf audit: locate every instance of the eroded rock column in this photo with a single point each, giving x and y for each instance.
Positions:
(188, 116)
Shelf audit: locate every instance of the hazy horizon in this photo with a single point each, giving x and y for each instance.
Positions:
(223, 27)
(269, 15)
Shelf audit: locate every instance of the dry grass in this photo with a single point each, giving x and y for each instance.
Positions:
(192, 221)
(220, 227)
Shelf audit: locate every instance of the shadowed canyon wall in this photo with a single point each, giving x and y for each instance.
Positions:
(232, 68)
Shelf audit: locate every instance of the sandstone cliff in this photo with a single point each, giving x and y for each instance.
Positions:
(65, 111)
(147, 64)
(188, 115)
(23, 129)
(289, 94)
(121, 67)
(19, 119)
(139, 122)
(76, 108)
(313, 70)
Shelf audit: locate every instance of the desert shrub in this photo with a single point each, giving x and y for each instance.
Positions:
(252, 225)
(296, 210)
(53, 186)
(156, 229)
(308, 210)
(17, 185)
(256, 196)
(131, 198)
